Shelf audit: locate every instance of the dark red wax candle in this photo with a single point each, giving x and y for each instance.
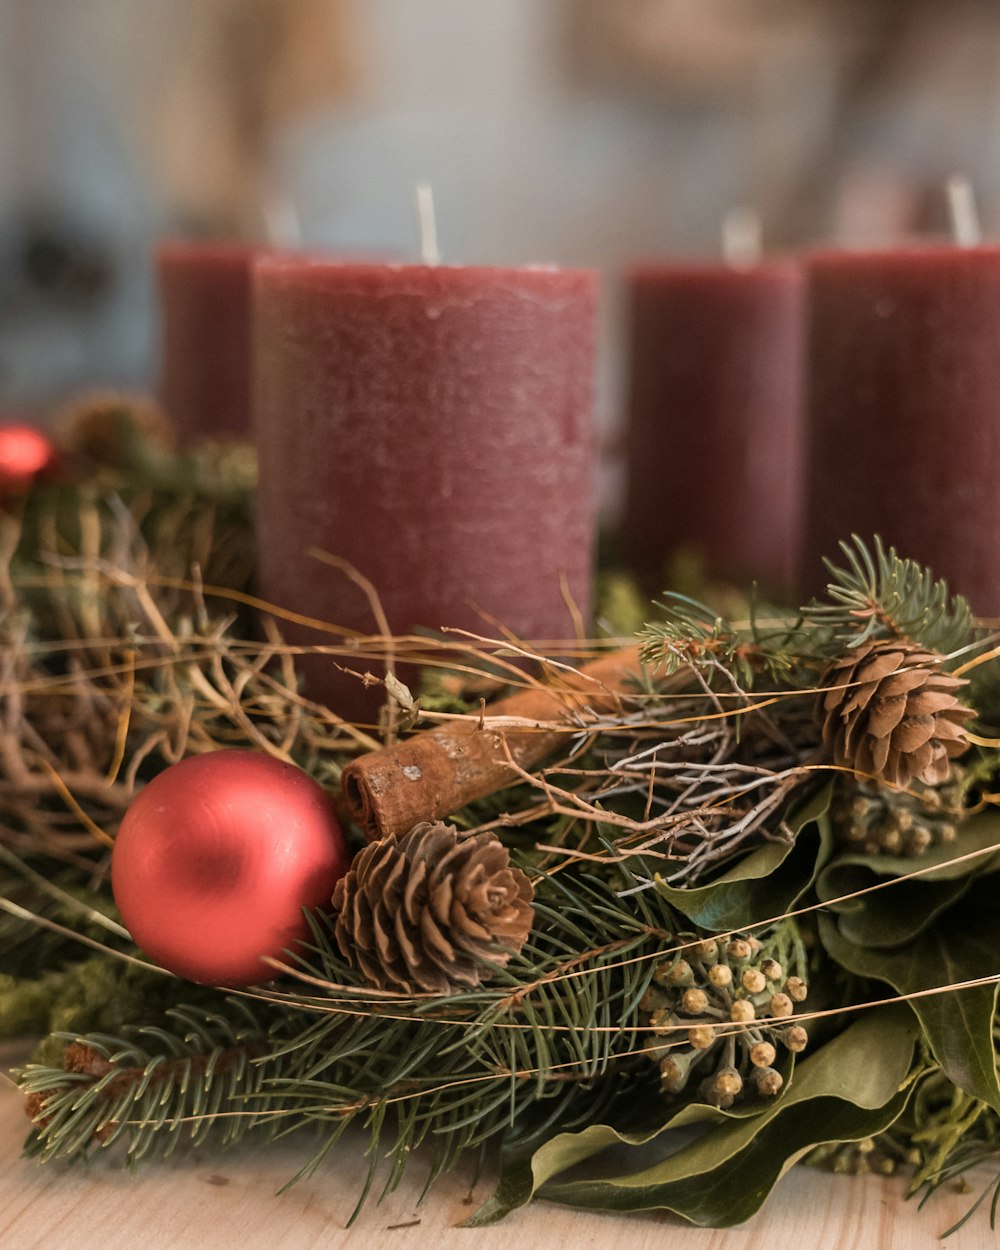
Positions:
(714, 418)
(433, 426)
(205, 299)
(904, 420)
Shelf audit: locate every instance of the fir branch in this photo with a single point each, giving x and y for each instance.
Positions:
(880, 595)
(964, 1137)
(992, 1187)
(984, 685)
(691, 634)
(451, 1072)
(448, 1072)
(116, 666)
(205, 1077)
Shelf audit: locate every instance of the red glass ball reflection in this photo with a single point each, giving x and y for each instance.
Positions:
(24, 453)
(215, 860)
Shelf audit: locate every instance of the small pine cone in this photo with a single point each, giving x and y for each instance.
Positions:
(432, 910)
(891, 713)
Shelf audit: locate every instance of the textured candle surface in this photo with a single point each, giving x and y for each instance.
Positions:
(433, 426)
(205, 303)
(904, 426)
(715, 415)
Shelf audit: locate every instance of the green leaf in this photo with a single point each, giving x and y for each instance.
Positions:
(525, 1165)
(894, 917)
(978, 833)
(963, 945)
(524, 1168)
(731, 1193)
(853, 1087)
(768, 882)
(898, 915)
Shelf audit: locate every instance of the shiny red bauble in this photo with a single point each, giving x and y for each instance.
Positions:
(215, 860)
(24, 453)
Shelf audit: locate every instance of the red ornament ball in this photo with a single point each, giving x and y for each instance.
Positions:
(24, 453)
(215, 860)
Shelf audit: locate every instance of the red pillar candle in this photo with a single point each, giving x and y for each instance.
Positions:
(714, 418)
(904, 422)
(205, 302)
(433, 426)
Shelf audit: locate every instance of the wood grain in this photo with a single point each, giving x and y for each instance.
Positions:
(228, 1202)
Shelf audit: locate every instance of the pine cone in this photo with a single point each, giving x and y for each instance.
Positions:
(432, 910)
(891, 713)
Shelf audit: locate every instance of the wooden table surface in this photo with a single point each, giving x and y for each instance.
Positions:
(228, 1201)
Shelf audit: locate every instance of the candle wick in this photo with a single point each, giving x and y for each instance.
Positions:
(965, 225)
(429, 250)
(282, 224)
(742, 237)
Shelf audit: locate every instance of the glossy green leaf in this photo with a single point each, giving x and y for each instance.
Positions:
(852, 1088)
(889, 918)
(733, 1192)
(526, 1166)
(948, 861)
(894, 916)
(845, 1091)
(961, 946)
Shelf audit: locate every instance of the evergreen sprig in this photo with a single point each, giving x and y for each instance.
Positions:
(879, 594)
(954, 1133)
(876, 595)
(690, 633)
(450, 1072)
(453, 1071)
(205, 1074)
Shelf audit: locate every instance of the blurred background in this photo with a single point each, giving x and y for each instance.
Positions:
(580, 132)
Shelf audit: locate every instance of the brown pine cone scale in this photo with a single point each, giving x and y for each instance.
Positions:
(432, 911)
(891, 713)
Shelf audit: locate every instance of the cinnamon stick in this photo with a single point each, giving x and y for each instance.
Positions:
(432, 774)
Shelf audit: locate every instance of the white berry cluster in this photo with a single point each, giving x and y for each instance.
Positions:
(718, 1009)
(881, 821)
